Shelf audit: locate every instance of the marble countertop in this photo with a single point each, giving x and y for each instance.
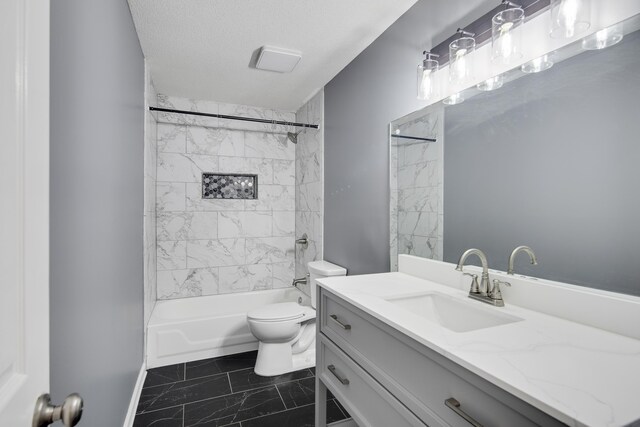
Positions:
(581, 375)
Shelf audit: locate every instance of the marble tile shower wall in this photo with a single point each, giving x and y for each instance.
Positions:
(309, 179)
(416, 189)
(213, 246)
(149, 224)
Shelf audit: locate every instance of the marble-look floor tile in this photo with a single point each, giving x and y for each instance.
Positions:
(181, 392)
(232, 408)
(218, 365)
(303, 416)
(164, 375)
(298, 393)
(247, 379)
(170, 417)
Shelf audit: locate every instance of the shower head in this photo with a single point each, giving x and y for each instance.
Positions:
(293, 137)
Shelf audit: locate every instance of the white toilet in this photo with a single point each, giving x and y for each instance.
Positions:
(287, 331)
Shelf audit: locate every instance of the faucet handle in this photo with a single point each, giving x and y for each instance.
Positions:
(495, 292)
(475, 288)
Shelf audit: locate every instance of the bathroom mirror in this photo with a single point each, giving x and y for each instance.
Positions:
(550, 160)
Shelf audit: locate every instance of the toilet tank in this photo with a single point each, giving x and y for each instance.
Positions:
(319, 270)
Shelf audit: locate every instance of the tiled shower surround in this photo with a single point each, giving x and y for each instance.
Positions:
(416, 188)
(309, 180)
(149, 224)
(216, 246)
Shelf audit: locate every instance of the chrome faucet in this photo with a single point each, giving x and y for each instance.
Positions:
(484, 293)
(528, 250)
(484, 283)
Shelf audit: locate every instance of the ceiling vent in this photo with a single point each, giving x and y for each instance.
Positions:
(277, 59)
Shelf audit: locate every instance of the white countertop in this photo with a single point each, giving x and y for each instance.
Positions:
(581, 375)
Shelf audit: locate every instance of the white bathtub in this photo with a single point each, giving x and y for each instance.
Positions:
(197, 328)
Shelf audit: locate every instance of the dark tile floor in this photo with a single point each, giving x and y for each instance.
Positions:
(225, 391)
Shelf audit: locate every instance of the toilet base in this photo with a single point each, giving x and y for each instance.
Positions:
(276, 359)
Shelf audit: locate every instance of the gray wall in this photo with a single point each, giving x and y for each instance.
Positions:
(97, 85)
(551, 161)
(375, 88)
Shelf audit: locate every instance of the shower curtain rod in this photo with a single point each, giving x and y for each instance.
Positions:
(244, 119)
(419, 138)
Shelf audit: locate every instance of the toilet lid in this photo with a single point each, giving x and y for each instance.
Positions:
(279, 311)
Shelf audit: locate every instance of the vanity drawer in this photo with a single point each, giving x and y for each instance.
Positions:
(367, 401)
(419, 377)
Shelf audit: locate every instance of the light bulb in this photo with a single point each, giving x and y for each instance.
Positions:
(506, 35)
(426, 78)
(460, 67)
(569, 17)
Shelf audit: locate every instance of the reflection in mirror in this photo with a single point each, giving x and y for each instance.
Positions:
(550, 160)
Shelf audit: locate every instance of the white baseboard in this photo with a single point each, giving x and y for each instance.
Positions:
(137, 390)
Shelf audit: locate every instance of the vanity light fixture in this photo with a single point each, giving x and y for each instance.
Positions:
(569, 17)
(539, 64)
(604, 38)
(491, 84)
(426, 76)
(454, 99)
(506, 33)
(460, 66)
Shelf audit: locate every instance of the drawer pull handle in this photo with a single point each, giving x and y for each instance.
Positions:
(454, 405)
(342, 325)
(332, 369)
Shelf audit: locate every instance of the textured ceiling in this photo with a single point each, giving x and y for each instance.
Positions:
(203, 49)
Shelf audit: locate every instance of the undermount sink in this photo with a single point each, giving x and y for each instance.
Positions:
(451, 313)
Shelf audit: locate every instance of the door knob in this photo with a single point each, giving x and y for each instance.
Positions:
(69, 412)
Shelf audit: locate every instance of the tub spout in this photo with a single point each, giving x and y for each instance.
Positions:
(300, 281)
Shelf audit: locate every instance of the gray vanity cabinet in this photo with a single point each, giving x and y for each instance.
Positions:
(384, 378)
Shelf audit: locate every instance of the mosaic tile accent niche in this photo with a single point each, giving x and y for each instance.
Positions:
(229, 186)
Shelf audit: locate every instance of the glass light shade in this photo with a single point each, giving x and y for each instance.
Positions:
(506, 35)
(454, 99)
(539, 64)
(491, 84)
(460, 66)
(570, 17)
(604, 38)
(426, 79)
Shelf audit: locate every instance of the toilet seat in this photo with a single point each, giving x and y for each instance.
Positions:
(278, 312)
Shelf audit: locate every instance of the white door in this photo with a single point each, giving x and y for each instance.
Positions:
(24, 208)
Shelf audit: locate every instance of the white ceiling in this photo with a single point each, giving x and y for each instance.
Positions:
(202, 49)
